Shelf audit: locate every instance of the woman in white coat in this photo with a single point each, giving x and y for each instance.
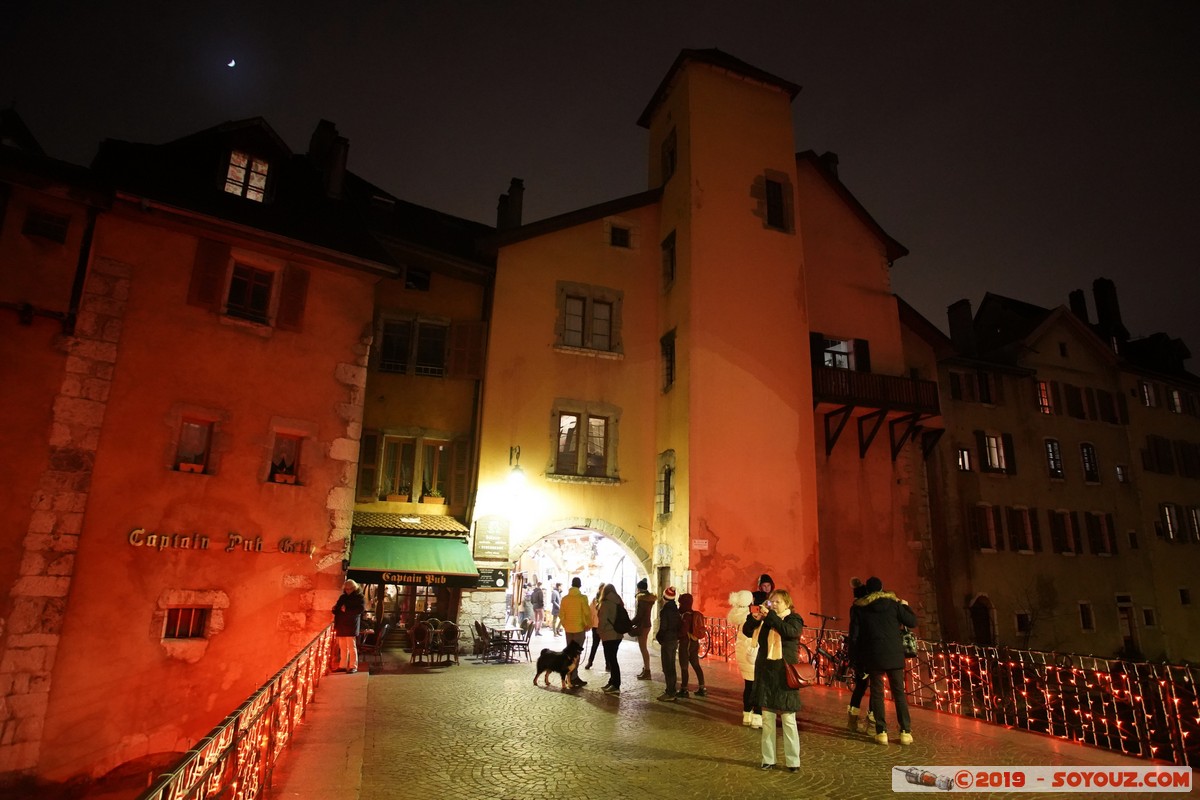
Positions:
(745, 650)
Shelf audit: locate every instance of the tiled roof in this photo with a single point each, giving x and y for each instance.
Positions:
(410, 524)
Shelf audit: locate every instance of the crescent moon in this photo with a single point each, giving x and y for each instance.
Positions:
(232, 62)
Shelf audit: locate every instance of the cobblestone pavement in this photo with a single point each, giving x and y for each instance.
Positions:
(479, 730)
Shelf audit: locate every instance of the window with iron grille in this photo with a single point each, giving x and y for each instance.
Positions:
(1148, 396)
(1054, 463)
(1091, 469)
(668, 261)
(775, 209)
(667, 347)
(1044, 399)
(670, 156)
(619, 237)
(186, 623)
(394, 348)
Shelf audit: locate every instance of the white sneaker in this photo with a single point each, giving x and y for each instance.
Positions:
(905, 737)
(746, 718)
(756, 720)
(881, 738)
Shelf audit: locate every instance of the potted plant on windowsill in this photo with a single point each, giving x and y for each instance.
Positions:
(401, 495)
(433, 496)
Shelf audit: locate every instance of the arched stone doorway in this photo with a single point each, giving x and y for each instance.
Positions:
(982, 629)
(555, 551)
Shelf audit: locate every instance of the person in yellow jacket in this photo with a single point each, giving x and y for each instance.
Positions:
(575, 616)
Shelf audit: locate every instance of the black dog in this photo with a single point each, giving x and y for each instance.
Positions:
(563, 663)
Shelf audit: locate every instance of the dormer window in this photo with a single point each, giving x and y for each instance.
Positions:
(247, 176)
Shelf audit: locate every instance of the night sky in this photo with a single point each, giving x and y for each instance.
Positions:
(1022, 148)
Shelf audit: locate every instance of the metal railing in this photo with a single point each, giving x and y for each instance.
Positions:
(1136, 708)
(237, 757)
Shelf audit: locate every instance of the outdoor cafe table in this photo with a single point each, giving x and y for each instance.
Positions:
(507, 633)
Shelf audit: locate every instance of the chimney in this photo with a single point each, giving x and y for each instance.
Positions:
(962, 327)
(830, 160)
(329, 153)
(1108, 311)
(1079, 305)
(508, 209)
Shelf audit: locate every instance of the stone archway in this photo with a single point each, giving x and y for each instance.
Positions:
(494, 608)
(607, 529)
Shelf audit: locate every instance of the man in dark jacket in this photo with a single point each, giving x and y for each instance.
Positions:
(347, 613)
(880, 652)
(668, 640)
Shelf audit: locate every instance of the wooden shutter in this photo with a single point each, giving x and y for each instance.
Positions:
(1112, 533)
(209, 269)
(1092, 522)
(997, 381)
(955, 386)
(1075, 530)
(1058, 534)
(977, 527)
(368, 467)
(1016, 530)
(1056, 397)
(862, 355)
(1122, 408)
(459, 472)
(1089, 399)
(816, 349)
(1036, 530)
(1010, 454)
(293, 296)
(998, 526)
(466, 349)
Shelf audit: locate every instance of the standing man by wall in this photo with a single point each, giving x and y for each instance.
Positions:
(347, 613)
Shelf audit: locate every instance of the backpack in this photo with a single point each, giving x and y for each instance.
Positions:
(622, 624)
(695, 626)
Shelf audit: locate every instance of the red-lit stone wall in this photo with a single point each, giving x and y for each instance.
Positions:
(271, 566)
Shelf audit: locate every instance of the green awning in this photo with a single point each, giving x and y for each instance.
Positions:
(421, 560)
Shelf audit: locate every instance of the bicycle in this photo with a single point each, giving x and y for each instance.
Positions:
(828, 664)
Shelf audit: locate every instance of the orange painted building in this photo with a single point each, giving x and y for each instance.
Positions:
(651, 357)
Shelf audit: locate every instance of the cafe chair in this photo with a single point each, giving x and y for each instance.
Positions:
(370, 645)
(448, 643)
(521, 645)
(421, 637)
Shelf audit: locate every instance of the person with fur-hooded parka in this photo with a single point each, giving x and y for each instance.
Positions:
(877, 646)
(880, 652)
(745, 651)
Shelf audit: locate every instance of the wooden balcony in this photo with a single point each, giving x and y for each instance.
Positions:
(845, 387)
